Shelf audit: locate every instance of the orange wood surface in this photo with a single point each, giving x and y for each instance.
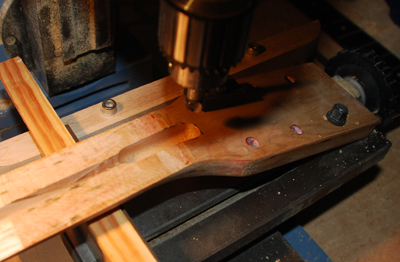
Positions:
(34, 108)
(118, 239)
(87, 179)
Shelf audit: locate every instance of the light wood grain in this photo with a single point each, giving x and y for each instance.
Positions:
(87, 179)
(33, 107)
(29, 99)
(10, 152)
(158, 142)
(45, 127)
(90, 153)
(76, 200)
(38, 182)
(49, 134)
(144, 99)
(116, 234)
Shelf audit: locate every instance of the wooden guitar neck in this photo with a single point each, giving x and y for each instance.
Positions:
(89, 178)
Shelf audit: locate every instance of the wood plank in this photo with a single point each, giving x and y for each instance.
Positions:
(116, 234)
(34, 108)
(85, 180)
(28, 98)
(140, 101)
(299, 37)
(327, 47)
(45, 127)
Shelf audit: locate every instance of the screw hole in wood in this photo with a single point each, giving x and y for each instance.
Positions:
(290, 79)
(297, 129)
(251, 141)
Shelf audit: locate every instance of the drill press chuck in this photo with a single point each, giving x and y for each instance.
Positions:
(202, 40)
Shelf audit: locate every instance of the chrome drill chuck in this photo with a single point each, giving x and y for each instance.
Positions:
(202, 40)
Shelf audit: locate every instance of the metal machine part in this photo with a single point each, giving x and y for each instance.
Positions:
(109, 107)
(351, 85)
(202, 40)
(369, 79)
(65, 43)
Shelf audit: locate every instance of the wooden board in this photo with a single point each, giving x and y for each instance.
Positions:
(87, 179)
(34, 108)
(304, 37)
(118, 239)
(51, 136)
(147, 98)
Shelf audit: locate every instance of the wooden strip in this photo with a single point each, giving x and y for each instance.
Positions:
(282, 43)
(91, 180)
(28, 98)
(116, 234)
(327, 47)
(34, 108)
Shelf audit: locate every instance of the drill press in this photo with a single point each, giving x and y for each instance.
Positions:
(202, 40)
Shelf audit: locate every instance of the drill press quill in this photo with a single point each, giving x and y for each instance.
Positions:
(202, 40)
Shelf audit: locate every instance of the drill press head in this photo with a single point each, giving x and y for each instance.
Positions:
(202, 40)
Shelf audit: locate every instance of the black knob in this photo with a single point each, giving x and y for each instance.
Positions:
(338, 115)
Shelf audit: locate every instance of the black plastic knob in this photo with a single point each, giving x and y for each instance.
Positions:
(338, 115)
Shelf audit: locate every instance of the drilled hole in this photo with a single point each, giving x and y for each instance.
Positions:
(297, 129)
(290, 79)
(251, 141)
